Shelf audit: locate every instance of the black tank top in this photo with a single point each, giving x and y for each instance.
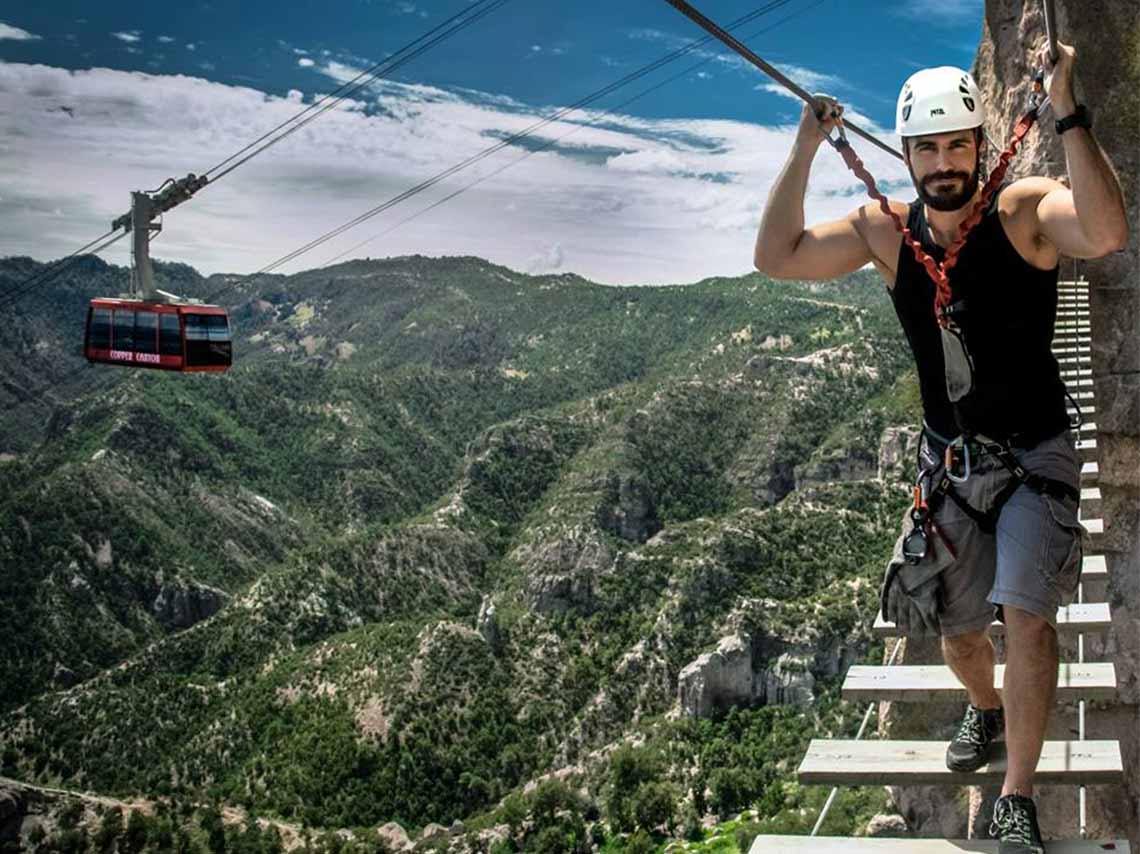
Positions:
(1011, 307)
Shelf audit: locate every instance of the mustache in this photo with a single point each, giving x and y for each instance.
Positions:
(945, 176)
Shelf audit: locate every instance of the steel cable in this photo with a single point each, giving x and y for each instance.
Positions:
(58, 268)
(351, 87)
(558, 139)
(515, 137)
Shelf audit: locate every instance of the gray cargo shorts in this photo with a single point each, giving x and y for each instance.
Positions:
(1032, 561)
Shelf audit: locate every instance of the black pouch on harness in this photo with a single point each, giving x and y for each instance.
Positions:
(959, 365)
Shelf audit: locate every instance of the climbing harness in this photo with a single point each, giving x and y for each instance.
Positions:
(954, 456)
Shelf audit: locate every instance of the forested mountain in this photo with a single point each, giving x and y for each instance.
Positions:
(446, 529)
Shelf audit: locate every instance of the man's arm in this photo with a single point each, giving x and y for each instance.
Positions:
(784, 248)
(1089, 220)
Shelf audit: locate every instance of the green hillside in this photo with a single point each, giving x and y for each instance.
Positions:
(443, 529)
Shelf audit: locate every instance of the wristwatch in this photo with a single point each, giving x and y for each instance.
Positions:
(1080, 117)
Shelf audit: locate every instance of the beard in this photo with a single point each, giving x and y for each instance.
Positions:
(947, 199)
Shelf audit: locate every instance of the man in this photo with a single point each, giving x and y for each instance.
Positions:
(1028, 561)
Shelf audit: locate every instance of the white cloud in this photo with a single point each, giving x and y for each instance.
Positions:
(813, 81)
(407, 8)
(130, 36)
(942, 12)
(7, 31)
(191, 46)
(166, 39)
(305, 62)
(636, 201)
(547, 260)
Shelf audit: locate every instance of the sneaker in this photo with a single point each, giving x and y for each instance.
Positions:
(972, 746)
(1015, 826)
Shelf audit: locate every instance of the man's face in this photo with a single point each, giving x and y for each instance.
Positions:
(944, 168)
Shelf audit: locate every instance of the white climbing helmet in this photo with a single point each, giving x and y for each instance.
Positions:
(939, 100)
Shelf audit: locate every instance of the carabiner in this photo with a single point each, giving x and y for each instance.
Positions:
(949, 462)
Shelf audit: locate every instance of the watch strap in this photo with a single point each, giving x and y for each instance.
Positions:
(1078, 118)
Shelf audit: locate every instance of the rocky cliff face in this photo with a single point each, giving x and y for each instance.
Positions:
(1106, 35)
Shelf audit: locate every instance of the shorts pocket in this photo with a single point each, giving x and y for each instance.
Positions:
(1064, 548)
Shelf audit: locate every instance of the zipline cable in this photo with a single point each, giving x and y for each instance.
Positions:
(555, 140)
(470, 15)
(43, 272)
(1051, 29)
(515, 137)
(721, 33)
(342, 88)
(355, 85)
(21, 291)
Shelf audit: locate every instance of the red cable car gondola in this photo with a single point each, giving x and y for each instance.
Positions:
(160, 330)
(168, 336)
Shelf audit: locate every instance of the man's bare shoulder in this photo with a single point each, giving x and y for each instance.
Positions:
(874, 219)
(1026, 193)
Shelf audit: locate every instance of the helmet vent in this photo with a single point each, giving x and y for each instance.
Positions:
(969, 102)
(906, 112)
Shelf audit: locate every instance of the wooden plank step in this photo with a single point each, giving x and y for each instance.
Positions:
(1090, 474)
(1083, 394)
(1086, 450)
(1091, 501)
(922, 683)
(848, 762)
(1095, 527)
(1086, 617)
(867, 845)
(1094, 568)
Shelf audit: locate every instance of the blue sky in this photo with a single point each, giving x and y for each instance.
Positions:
(197, 69)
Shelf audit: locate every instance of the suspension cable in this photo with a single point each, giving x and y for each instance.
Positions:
(43, 273)
(386, 66)
(513, 138)
(58, 268)
(555, 140)
(690, 12)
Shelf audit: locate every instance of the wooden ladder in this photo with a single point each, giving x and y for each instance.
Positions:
(859, 763)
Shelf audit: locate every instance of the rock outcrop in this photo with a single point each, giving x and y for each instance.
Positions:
(837, 466)
(897, 449)
(179, 605)
(628, 509)
(717, 679)
(487, 624)
(394, 836)
(727, 677)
